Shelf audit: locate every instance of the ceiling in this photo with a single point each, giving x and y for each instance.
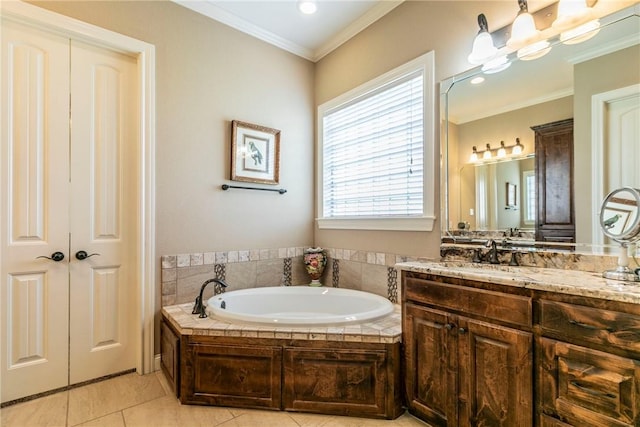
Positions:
(280, 23)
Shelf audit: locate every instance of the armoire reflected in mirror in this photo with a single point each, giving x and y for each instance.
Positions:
(576, 113)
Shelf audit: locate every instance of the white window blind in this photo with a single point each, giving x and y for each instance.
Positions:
(373, 160)
(530, 197)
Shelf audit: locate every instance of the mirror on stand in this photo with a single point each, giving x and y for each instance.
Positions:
(620, 220)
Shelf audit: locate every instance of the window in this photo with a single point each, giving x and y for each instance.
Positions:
(376, 153)
(529, 179)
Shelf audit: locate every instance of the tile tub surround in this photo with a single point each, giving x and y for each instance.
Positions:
(571, 282)
(387, 330)
(183, 274)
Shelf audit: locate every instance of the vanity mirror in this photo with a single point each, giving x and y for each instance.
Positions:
(620, 220)
(572, 82)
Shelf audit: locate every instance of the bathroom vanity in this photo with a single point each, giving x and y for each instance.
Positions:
(514, 346)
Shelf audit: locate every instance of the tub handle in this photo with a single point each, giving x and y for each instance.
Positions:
(223, 305)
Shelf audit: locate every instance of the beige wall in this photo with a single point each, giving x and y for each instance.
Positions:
(208, 74)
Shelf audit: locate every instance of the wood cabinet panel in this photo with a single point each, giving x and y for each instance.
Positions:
(170, 356)
(498, 306)
(431, 364)
(555, 216)
(582, 386)
(227, 375)
(603, 327)
(496, 375)
(338, 381)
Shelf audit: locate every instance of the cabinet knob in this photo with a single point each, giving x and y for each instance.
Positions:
(449, 326)
(462, 331)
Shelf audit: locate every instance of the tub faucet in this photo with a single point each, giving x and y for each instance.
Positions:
(198, 307)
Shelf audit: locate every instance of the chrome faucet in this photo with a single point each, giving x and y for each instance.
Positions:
(198, 307)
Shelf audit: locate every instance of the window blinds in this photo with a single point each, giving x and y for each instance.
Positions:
(373, 153)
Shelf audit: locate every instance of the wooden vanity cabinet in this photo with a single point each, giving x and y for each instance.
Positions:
(467, 363)
(588, 365)
(468, 349)
(555, 216)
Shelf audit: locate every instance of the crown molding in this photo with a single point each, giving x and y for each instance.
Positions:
(207, 8)
(380, 10)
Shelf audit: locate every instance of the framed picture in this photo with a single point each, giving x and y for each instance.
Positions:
(511, 195)
(255, 153)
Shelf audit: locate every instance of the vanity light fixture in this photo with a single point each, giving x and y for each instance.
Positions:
(525, 35)
(474, 155)
(487, 153)
(484, 51)
(518, 148)
(500, 153)
(576, 22)
(483, 48)
(308, 7)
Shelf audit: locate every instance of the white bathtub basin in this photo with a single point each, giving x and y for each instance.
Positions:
(298, 306)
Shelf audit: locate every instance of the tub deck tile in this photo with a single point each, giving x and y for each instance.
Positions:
(387, 330)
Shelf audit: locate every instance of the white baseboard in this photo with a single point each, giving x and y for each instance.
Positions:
(156, 362)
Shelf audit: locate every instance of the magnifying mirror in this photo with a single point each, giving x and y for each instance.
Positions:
(620, 220)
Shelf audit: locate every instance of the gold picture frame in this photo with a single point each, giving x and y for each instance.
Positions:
(255, 153)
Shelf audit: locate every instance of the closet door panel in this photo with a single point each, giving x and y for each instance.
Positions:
(34, 196)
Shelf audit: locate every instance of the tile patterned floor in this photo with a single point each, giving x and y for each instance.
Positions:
(134, 400)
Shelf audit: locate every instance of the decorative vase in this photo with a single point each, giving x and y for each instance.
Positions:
(315, 259)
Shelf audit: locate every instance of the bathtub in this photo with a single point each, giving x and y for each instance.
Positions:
(298, 306)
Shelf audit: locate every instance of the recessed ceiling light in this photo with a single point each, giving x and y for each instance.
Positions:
(477, 80)
(307, 7)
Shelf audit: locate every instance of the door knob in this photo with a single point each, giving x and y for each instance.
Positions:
(83, 255)
(56, 256)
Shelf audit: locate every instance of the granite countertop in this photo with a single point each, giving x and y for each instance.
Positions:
(387, 330)
(570, 282)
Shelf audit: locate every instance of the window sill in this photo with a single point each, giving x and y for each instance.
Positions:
(387, 224)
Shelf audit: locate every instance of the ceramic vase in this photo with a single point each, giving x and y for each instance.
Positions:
(315, 259)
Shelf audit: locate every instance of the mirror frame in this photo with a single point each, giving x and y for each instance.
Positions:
(633, 233)
(445, 87)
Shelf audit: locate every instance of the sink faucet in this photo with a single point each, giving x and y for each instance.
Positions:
(492, 255)
(198, 307)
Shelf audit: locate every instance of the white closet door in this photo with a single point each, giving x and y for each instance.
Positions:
(103, 214)
(34, 163)
(69, 178)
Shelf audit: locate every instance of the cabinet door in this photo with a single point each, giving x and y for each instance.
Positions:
(555, 220)
(496, 370)
(430, 365)
(338, 381)
(226, 375)
(582, 386)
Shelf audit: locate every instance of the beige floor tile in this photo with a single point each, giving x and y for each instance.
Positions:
(46, 411)
(316, 420)
(167, 411)
(256, 418)
(103, 398)
(111, 420)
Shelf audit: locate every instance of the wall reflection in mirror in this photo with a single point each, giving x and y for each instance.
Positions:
(592, 87)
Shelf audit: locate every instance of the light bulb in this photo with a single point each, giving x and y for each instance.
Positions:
(517, 149)
(487, 154)
(474, 155)
(502, 152)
